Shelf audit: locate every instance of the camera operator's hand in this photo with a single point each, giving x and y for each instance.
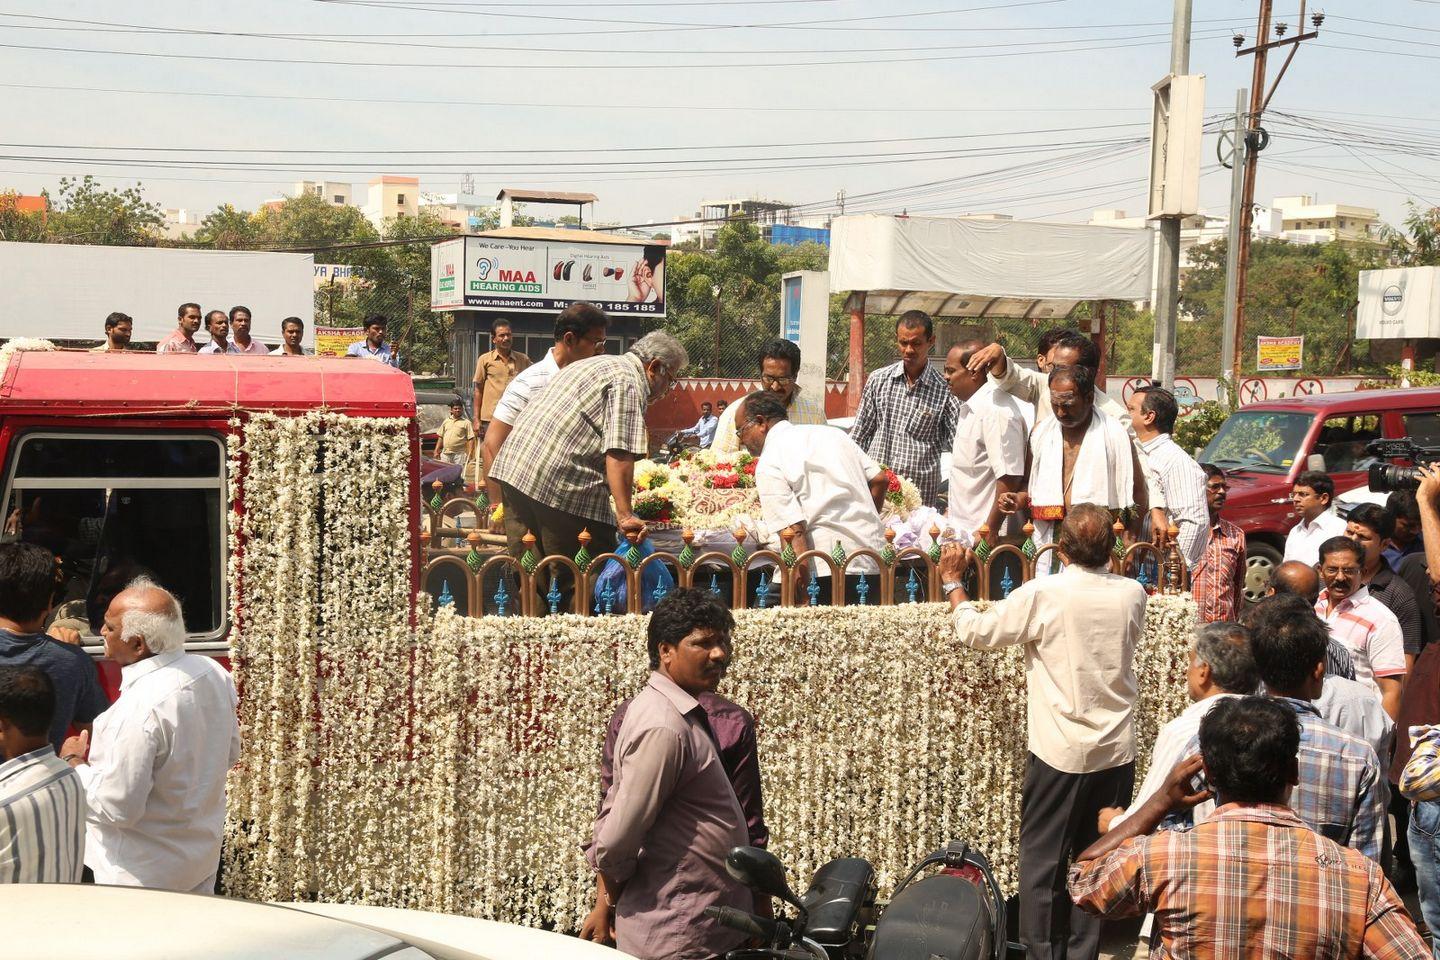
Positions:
(1429, 491)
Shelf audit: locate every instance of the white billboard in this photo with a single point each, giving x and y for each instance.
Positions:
(544, 276)
(1398, 304)
(63, 291)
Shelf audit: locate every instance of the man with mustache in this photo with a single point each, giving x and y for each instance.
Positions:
(671, 814)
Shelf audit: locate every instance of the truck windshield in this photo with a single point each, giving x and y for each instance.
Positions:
(1261, 441)
(116, 506)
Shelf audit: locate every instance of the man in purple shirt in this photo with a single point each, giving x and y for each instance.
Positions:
(671, 814)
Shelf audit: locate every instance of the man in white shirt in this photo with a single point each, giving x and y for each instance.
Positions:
(1079, 630)
(988, 459)
(1221, 666)
(779, 370)
(704, 428)
(1360, 623)
(217, 324)
(240, 341)
(1311, 497)
(1153, 412)
(579, 335)
(814, 482)
(155, 775)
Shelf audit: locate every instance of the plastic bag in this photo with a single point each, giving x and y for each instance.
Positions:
(612, 579)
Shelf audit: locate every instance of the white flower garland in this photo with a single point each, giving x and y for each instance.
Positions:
(454, 766)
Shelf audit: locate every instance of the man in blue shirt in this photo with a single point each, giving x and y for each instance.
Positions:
(374, 345)
(704, 428)
(27, 593)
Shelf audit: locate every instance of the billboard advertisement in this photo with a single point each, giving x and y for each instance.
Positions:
(1399, 304)
(334, 341)
(545, 276)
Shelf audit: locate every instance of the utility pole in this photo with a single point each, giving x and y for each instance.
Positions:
(1167, 299)
(1232, 248)
(1255, 140)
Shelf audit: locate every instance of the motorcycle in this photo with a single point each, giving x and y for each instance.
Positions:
(957, 913)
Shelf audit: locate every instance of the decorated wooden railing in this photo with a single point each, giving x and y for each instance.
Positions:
(464, 567)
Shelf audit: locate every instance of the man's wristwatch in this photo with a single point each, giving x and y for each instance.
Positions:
(950, 587)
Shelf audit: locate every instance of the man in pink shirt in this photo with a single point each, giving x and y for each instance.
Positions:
(671, 815)
(1360, 623)
(240, 341)
(182, 338)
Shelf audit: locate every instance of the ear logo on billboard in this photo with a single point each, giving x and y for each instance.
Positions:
(1392, 300)
(483, 266)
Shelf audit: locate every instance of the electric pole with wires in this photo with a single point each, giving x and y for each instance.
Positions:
(1256, 139)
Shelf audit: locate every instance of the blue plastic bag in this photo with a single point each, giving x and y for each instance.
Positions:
(655, 583)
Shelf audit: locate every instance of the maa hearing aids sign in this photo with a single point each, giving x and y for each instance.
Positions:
(543, 276)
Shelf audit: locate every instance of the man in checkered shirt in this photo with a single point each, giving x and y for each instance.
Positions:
(574, 448)
(907, 414)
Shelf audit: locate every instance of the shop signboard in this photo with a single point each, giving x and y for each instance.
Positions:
(545, 276)
(334, 341)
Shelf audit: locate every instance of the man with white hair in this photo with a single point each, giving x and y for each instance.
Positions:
(155, 775)
(574, 447)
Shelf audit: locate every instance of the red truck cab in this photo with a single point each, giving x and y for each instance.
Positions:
(1263, 447)
(117, 462)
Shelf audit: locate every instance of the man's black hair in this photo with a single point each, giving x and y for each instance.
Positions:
(211, 316)
(27, 581)
(289, 320)
(1212, 471)
(579, 318)
(180, 312)
(1161, 402)
(1341, 545)
(916, 318)
(1287, 640)
(376, 319)
(680, 613)
(1402, 505)
(1374, 516)
(1086, 536)
(1250, 746)
(115, 319)
(1317, 480)
(240, 309)
(1051, 337)
(27, 699)
(780, 349)
(1089, 352)
(1082, 377)
(763, 403)
(501, 322)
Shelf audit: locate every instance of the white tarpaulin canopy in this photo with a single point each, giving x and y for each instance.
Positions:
(957, 267)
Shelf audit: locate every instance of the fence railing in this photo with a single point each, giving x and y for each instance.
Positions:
(488, 580)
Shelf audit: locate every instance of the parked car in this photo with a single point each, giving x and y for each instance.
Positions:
(129, 923)
(1263, 447)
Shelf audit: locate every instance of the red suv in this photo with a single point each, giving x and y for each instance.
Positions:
(1263, 447)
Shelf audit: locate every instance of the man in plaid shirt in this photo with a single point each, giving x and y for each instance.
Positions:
(907, 414)
(574, 449)
(1253, 881)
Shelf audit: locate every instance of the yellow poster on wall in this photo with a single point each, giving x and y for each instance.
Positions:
(334, 341)
(1279, 353)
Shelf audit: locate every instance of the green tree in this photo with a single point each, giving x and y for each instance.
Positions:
(84, 212)
(18, 225)
(226, 228)
(1419, 244)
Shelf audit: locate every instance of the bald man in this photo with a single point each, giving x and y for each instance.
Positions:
(1299, 578)
(155, 774)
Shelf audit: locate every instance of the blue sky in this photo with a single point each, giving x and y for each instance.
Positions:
(655, 106)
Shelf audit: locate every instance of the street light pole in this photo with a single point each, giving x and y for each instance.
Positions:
(1167, 297)
(1232, 249)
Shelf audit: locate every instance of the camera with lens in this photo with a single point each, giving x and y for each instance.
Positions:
(1386, 477)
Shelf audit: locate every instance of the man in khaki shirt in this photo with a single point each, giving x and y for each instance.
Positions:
(455, 439)
(493, 373)
(1079, 629)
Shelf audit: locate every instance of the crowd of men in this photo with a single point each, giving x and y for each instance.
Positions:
(229, 332)
(137, 796)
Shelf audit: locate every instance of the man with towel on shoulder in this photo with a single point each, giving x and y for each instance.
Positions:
(1081, 455)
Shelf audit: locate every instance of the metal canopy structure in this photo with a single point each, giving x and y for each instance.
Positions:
(964, 305)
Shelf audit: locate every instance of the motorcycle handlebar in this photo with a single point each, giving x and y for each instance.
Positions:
(746, 923)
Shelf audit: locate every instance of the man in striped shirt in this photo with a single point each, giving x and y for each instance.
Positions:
(1364, 625)
(42, 803)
